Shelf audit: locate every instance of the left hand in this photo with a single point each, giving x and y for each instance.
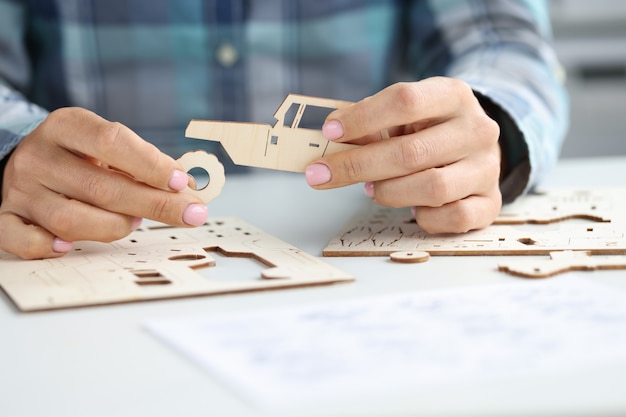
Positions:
(442, 155)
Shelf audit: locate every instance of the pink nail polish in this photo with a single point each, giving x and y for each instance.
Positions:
(61, 246)
(332, 129)
(369, 189)
(195, 214)
(178, 180)
(136, 223)
(317, 174)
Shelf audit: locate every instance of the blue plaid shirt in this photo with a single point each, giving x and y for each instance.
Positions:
(155, 64)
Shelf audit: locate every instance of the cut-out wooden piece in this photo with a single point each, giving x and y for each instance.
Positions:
(160, 262)
(380, 231)
(559, 205)
(214, 169)
(561, 262)
(292, 143)
(409, 257)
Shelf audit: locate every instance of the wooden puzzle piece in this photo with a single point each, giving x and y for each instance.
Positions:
(560, 262)
(559, 205)
(292, 143)
(409, 257)
(159, 262)
(213, 168)
(380, 231)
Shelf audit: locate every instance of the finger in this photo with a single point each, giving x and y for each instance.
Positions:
(398, 105)
(115, 145)
(440, 145)
(28, 241)
(116, 192)
(394, 157)
(461, 216)
(436, 187)
(73, 220)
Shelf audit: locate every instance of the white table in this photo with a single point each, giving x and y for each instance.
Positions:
(99, 361)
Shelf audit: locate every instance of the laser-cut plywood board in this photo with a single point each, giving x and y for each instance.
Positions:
(159, 262)
(555, 220)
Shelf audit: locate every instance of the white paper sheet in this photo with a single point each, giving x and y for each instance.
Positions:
(406, 341)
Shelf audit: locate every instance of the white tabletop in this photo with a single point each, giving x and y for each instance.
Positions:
(100, 361)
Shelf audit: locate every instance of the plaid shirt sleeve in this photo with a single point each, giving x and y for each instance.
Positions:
(18, 116)
(155, 64)
(502, 49)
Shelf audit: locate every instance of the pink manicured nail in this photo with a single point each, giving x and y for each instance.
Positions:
(195, 214)
(369, 189)
(178, 180)
(136, 223)
(317, 174)
(332, 129)
(61, 246)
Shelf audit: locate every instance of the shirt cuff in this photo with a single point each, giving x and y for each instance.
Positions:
(515, 163)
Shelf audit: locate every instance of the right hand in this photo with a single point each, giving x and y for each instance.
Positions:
(80, 177)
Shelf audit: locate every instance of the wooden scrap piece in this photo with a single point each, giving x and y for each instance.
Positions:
(561, 262)
(159, 262)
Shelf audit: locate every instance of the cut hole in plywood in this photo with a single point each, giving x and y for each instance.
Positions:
(152, 282)
(150, 273)
(240, 268)
(194, 260)
(213, 169)
(188, 257)
(199, 178)
(150, 278)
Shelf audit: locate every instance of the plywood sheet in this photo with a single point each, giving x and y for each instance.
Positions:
(159, 262)
(555, 220)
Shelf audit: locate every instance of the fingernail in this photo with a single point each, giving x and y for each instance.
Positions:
(178, 180)
(414, 211)
(317, 174)
(369, 189)
(332, 129)
(136, 223)
(61, 246)
(195, 214)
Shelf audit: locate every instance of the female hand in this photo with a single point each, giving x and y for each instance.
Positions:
(442, 155)
(80, 177)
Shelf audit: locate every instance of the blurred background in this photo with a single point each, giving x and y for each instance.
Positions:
(590, 39)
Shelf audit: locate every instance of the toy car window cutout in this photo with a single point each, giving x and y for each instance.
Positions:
(313, 117)
(290, 115)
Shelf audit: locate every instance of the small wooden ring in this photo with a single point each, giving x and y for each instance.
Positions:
(215, 169)
(410, 257)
